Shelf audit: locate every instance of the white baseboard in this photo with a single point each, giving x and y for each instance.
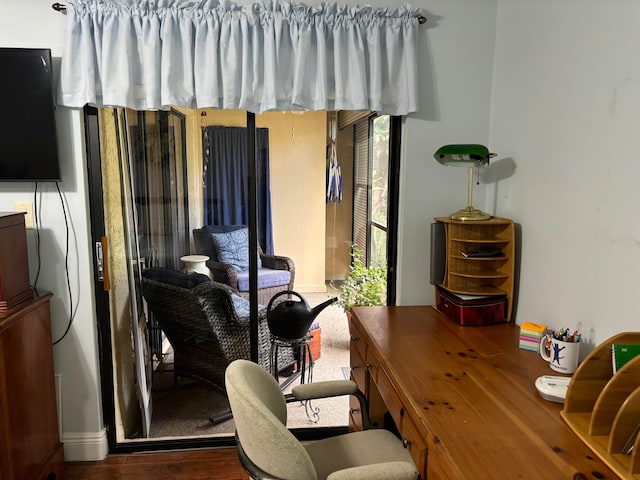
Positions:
(85, 446)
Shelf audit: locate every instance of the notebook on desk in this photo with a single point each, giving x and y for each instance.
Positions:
(622, 353)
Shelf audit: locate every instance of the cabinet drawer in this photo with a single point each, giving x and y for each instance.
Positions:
(355, 415)
(390, 398)
(357, 339)
(358, 371)
(413, 441)
(373, 365)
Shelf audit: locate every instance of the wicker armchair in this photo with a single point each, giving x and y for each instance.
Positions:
(206, 324)
(276, 274)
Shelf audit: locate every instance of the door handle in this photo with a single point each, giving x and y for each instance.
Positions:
(99, 261)
(102, 264)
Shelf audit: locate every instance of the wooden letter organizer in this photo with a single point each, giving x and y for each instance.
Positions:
(603, 409)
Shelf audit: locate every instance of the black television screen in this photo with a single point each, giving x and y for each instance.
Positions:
(28, 143)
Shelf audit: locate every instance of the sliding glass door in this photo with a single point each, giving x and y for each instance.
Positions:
(171, 174)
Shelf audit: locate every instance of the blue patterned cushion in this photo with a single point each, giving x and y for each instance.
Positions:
(241, 305)
(233, 248)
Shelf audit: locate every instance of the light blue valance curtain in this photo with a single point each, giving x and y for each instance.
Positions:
(263, 56)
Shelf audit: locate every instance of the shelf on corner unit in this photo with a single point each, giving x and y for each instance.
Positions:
(485, 274)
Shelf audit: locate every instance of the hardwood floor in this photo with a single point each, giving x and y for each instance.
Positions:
(210, 464)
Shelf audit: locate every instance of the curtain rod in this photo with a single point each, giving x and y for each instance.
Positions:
(60, 7)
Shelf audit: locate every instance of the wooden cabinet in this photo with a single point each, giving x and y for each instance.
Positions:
(480, 258)
(30, 447)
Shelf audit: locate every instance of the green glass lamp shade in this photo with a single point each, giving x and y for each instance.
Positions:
(463, 155)
(470, 156)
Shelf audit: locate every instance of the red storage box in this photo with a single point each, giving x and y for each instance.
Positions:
(471, 311)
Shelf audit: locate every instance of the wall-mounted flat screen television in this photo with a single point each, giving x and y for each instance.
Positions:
(28, 143)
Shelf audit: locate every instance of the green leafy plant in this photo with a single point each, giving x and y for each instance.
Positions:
(364, 286)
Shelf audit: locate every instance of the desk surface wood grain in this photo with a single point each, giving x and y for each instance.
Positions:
(471, 392)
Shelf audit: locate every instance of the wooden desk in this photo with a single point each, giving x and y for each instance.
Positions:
(463, 398)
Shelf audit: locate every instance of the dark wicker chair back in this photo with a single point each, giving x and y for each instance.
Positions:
(208, 328)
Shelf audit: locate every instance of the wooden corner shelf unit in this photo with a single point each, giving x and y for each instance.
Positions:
(491, 275)
(603, 409)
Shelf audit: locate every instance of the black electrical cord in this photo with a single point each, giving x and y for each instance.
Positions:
(36, 221)
(66, 268)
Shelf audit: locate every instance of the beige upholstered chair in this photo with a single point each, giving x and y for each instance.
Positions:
(268, 450)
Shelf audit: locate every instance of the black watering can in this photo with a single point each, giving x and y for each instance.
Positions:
(291, 319)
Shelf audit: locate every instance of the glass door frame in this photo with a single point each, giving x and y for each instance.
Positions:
(103, 314)
(393, 193)
(105, 345)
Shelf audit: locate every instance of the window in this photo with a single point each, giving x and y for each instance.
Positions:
(371, 187)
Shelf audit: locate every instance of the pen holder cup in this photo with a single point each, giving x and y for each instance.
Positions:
(562, 356)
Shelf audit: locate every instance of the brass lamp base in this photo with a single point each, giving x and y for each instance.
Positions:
(469, 214)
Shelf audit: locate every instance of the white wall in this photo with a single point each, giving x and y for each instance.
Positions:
(455, 68)
(566, 111)
(36, 24)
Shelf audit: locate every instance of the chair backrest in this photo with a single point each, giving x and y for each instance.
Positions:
(207, 324)
(170, 296)
(260, 415)
(175, 277)
(203, 241)
(190, 305)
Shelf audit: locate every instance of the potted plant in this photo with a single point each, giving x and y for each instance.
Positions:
(364, 286)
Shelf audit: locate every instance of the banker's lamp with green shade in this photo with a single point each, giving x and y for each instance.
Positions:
(469, 156)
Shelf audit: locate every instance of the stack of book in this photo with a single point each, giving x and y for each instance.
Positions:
(530, 335)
